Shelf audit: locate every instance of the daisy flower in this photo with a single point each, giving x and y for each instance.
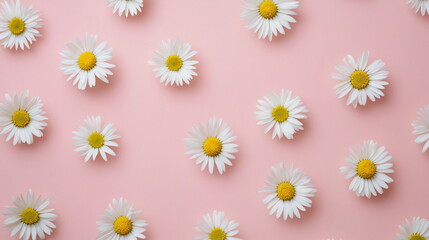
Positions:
(86, 61)
(421, 127)
(289, 191)
(212, 145)
(21, 118)
(418, 229)
(91, 139)
(360, 80)
(121, 221)
(131, 7)
(281, 112)
(29, 217)
(19, 25)
(269, 17)
(420, 5)
(368, 165)
(174, 63)
(217, 227)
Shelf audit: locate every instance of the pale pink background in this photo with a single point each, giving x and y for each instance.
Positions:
(151, 169)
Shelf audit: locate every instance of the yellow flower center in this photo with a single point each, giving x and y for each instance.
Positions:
(87, 61)
(285, 191)
(29, 216)
(366, 169)
(96, 140)
(268, 9)
(16, 26)
(212, 146)
(21, 118)
(359, 79)
(174, 63)
(280, 114)
(416, 236)
(217, 234)
(122, 225)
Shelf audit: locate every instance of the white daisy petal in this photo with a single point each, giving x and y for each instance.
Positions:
(289, 190)
(367, 166)
(121, 222)
(421, 127)
(281, 112)
(92, 139)
(21, 118)
(417, 229)
(19, 25)
(129, 7)
(421, 6)
(212, 145)
(174, 63)
(359, 81)
(217, 226)
(28, 219)
(269, 17)
(86, 61)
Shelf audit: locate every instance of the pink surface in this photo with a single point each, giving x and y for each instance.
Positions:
(235, 69)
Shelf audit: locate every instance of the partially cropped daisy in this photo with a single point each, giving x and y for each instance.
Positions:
(174, 63)
(121, 222)
(359, 80)
(85, 61)
(282, 113)
(417, 229)
(131, 7)
(212, 144)
(289, 191)
(421, 127)
(420, 5)
(269, 17)
(29, 218)
(368, 165)
(92, 139)
(22, 118)
(217, 227)
(19, 24)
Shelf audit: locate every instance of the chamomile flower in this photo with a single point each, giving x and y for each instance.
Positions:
(92, 139)
(269, 17)
(368, 165)
(417, 229)
(281, 112)
(29, 217)
(174, 63)
(131, 7)
(217, 227)
(419, 5)
(22, 118)
(19, 24)
(121, 222)
(421, 127)
(212, 145)
(85, 61)
(289, 191)
(359, 80)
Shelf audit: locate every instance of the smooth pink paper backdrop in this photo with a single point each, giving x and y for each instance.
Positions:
(151, 169)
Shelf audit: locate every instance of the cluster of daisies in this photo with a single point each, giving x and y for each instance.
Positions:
(289, 191)
(20, 24)
(31, 218)
(22, 118)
